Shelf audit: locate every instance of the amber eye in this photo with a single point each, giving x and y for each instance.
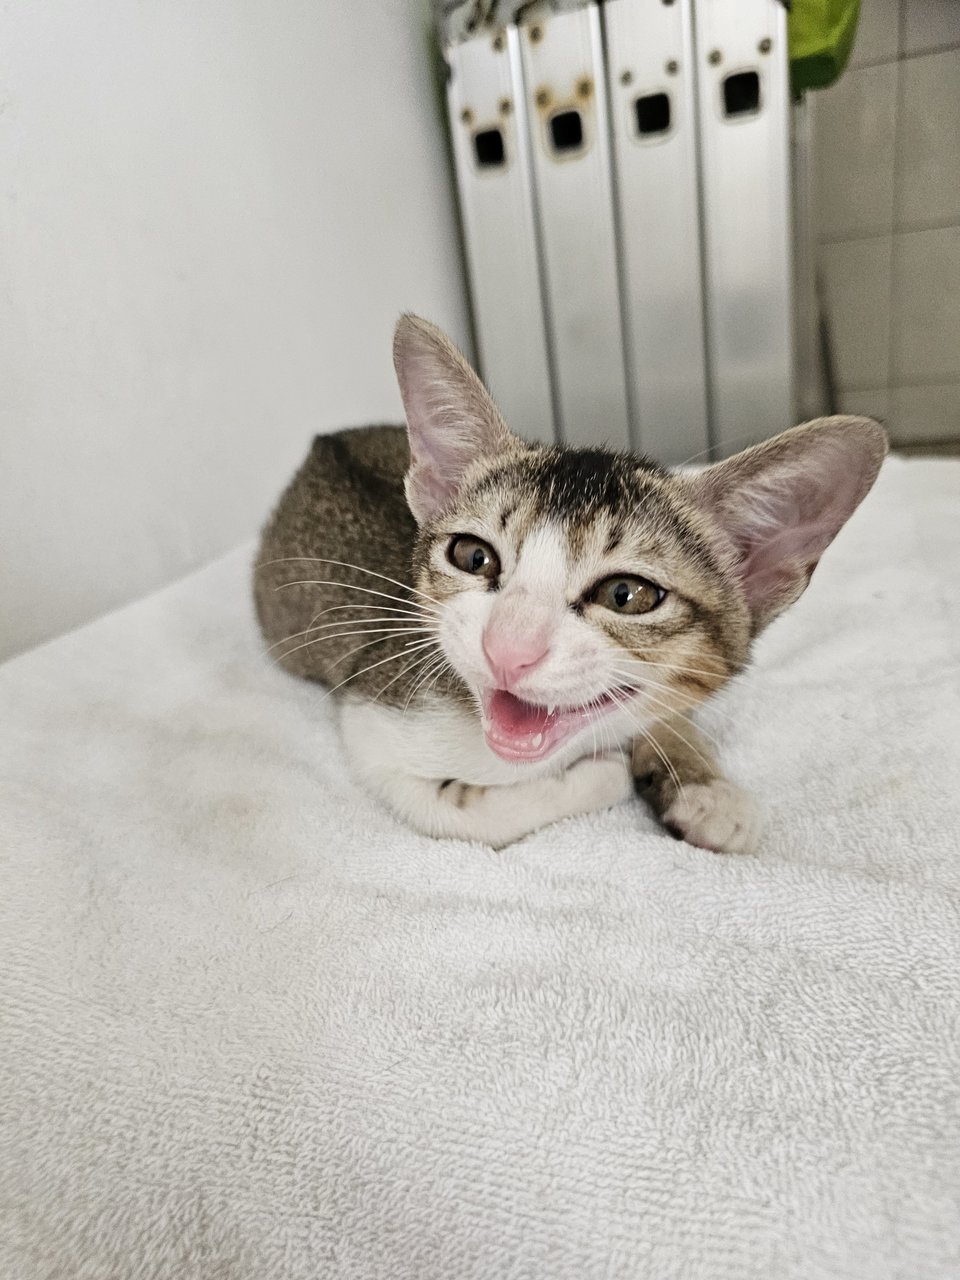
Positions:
(626, 594)
(473, 556)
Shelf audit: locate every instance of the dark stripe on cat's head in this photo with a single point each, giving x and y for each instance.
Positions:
(573, 487)
(574, 484)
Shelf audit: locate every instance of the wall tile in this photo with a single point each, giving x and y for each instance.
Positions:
(926, 306)
(853, 150)
(925, 413)
(877, 32)
(856, 285)
(929, 24)
(928, 168)
(874, 403)
(896, 349)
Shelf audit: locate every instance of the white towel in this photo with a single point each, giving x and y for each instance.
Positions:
(251, 1028)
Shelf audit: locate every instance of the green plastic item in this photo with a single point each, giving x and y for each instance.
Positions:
(820, 34)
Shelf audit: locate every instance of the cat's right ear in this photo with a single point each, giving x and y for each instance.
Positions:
(451, 419)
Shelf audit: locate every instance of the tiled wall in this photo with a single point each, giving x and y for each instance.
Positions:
(887, 148)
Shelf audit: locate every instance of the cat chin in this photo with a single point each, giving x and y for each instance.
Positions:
(526, 733)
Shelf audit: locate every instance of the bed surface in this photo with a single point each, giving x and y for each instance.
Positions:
(253, 1029)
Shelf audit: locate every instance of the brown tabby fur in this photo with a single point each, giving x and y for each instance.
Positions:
(342, 547)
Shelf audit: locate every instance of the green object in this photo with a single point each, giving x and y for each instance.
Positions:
(820, 34)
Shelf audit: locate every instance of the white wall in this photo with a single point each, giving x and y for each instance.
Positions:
(212, 213)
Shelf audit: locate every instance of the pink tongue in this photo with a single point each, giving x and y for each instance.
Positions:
(511, 716)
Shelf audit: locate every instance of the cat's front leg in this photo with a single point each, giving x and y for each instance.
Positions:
(676, 773)
(498, 815)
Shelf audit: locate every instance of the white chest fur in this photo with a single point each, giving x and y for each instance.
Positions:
(434, 769)
(436, 741)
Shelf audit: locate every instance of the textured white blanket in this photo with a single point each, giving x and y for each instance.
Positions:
(253, 1029)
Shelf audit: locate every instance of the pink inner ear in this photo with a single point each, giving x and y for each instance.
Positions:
(769, 566)
(451, 420)
(784, 503)
(786, 520)
(440, 451)
(441, 444)
(430, 487)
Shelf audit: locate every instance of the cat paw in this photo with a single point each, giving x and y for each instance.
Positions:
(717, 816)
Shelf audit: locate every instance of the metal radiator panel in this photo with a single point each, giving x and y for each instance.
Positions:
(565, 84)
(490, 143)
(653, 113)
(744, 92)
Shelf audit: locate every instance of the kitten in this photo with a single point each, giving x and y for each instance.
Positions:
(517, 633)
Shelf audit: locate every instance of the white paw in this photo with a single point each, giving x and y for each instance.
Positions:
(596, 783)
(716, 815)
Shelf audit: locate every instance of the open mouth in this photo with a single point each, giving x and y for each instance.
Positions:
(518, 730)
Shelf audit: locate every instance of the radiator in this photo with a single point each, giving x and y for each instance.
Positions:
(631, 186)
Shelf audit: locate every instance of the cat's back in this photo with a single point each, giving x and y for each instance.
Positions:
(341, 521)
(378, 453)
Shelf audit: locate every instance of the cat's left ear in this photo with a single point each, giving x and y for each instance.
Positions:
(783, 502)
(451, 419)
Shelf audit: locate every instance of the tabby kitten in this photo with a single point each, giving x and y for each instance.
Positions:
(517, 633)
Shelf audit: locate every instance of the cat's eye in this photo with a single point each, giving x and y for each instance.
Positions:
(473, 556)
(627, 594)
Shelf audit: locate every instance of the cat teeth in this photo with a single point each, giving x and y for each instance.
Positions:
(538, 740)
(551, 708)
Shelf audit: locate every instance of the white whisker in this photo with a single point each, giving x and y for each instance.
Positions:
(675, 711)
(432, 668)
(653, 743)
(345, 564)
(359, 647)
(339, 635)
(678, 713)
(349, 586)
(385, 616)
(664, 723)
(431, 684)
(419, 661)
(648, 682)
(640, 664)
(421, 644)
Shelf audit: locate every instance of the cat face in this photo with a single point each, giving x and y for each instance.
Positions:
(575, 600)
(581, 594)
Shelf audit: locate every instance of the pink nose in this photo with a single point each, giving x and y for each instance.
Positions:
(513, 656)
